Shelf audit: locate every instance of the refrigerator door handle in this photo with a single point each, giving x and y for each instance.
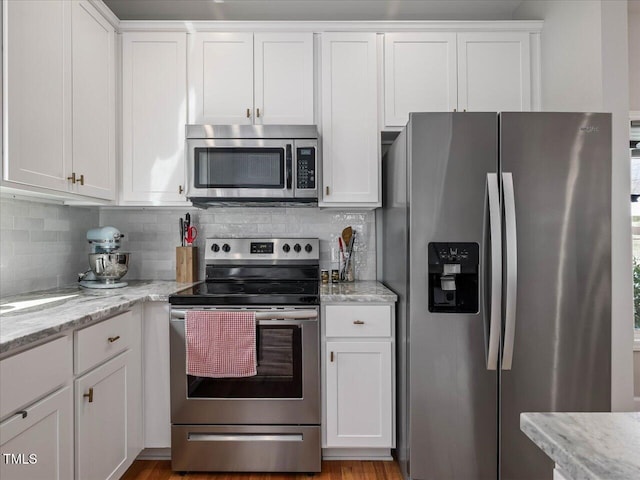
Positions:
(511, 257)
(495, 231)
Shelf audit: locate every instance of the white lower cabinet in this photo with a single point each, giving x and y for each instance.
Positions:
(108, 398)
(37, 443)
(359, 384)
(359, 394)
(101, 420)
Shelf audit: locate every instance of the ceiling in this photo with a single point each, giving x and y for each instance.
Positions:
(318, 10)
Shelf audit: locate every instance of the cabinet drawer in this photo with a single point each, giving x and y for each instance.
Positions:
(30, 375)
(358, 321)
(99, 342)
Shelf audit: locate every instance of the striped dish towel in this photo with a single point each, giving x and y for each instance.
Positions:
(221, 344)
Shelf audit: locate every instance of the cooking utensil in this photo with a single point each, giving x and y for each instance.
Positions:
(342, 259)
(348, 274)
(346, 235)
(190, 235)
(187, 221)
(181, 232)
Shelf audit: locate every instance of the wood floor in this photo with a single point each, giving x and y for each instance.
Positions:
(331, 470)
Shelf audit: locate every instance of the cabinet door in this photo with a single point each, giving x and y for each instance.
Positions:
(359, 394)
(283, 77)
(154, 112)
(93, 102)
(37, 107)
(101, 420)
(350, 146)
(420, 73)
(41, 442)
(221, 78)
(494, 71)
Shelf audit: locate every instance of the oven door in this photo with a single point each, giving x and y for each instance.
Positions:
(286, 389)
(232, 169)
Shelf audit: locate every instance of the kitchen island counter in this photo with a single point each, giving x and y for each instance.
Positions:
(33, 316)
(588, 446)
(358, 291)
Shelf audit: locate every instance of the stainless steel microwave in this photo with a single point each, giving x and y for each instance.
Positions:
(237, 164)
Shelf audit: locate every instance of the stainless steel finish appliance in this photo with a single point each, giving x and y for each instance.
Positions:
(108, 265)
(271, 164)
(271, 421)
(497, 239)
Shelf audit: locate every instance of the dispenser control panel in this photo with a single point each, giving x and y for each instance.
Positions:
(462, 253)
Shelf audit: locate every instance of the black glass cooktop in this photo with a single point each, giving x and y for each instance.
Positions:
(248, 293)
(253, 285)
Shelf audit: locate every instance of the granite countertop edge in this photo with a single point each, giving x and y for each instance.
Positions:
(553, 440)
(20, 329)
(358, 291)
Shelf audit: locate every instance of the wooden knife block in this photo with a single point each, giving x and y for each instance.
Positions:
(186, 264)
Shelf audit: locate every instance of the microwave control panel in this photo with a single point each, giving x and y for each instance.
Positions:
(306, 168)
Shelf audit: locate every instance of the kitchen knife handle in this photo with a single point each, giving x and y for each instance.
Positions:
(495, 304)
(511, 258)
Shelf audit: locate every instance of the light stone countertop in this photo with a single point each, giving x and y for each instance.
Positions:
(586, 446)
(30, 317)
(358, 291)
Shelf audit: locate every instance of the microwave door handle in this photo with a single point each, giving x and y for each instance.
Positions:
(288, 160)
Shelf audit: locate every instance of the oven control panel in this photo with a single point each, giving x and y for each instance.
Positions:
(272, 249)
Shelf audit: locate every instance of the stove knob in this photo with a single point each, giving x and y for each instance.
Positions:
(226, 247)
(308, 248)
(215, 247)
(286, 248)
(297, 247)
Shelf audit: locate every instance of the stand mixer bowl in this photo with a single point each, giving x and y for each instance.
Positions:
(109, 267)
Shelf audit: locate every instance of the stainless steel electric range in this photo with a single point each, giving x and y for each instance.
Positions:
(269, 422)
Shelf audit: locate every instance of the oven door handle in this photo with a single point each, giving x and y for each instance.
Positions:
(310, 315)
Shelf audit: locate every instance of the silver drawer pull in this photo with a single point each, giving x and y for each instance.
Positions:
(358, 322)
(114, 339)
(244, 437)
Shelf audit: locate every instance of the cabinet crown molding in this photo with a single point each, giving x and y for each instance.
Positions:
(533, 26)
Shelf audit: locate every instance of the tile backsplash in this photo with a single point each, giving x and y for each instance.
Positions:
(42, 245)
(151, 235)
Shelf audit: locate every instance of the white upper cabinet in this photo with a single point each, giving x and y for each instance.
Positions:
(154, 109)
(439, 72)
(283, 76)
(242, 78)
(93, 102)
(420, 74)
(37, 106)
(350, 137)
(60, 107)
(494, 71)
(221, 78)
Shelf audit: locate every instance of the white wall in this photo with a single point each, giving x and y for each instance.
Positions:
(634, 55)
(584, 50)
(42, 245)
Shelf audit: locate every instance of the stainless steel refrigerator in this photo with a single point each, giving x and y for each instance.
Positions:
(496, 236)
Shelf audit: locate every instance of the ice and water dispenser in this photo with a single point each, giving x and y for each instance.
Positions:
(453, 277)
